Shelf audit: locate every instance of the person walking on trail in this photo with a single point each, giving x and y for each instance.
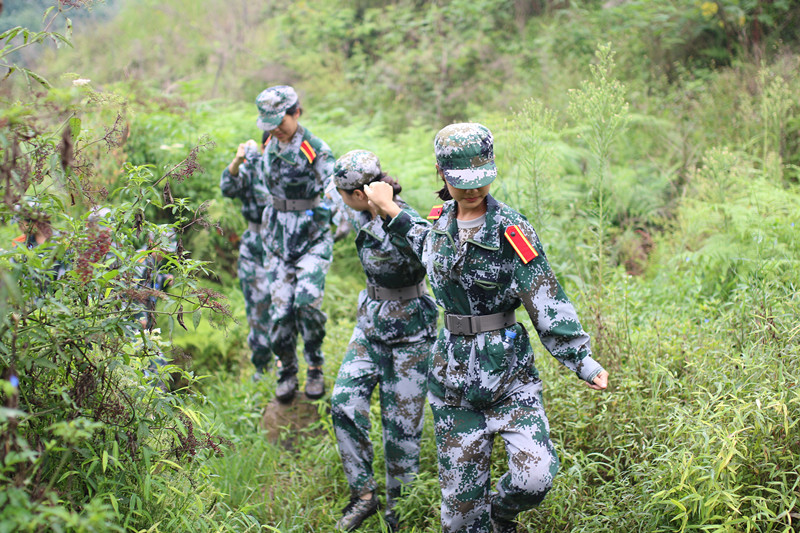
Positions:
(297, 237)
(395, 329)
(483, 261)
(243, 179)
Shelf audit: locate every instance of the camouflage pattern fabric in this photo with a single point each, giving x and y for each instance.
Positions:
(480, 373)
(465, 154)
(355, 169)
(400, 369)
(297, 289)
(390, 346)
(254, 281)
(249, 187)
(298, 246)
(272, 104)
(392, 264)
(464, 441)
(289, 174)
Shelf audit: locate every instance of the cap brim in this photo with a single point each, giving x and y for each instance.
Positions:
(269, 124)
(471, 178)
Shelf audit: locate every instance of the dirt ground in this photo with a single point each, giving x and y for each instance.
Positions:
(282, 422)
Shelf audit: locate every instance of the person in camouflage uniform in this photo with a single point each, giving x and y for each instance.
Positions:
(242, 179)
(395, 329)
(296, 236)
(484, 260)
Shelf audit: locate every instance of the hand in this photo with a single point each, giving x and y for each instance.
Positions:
(242, 150)
(381, 197)
(233, 168)
(600, 382)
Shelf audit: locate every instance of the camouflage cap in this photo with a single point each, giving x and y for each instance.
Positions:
(272, 105)
(465, 153)
(355, 169)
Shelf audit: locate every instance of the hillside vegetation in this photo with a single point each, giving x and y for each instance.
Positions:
(655, 146)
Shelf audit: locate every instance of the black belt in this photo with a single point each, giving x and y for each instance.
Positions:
(287, 204)
(403, 293)
(474, 324)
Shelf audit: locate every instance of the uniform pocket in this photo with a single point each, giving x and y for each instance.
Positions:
(487, 285)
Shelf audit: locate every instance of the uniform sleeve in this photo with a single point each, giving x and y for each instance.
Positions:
(412, 228)
(553, 315)
(232, 186)
(236, 186)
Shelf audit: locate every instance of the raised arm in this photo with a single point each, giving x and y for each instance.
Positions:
(403, 224)
(232, 181)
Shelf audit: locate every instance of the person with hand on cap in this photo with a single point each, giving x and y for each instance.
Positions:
(243, 179)
(395, 329)
(483, 261)
(296, 236)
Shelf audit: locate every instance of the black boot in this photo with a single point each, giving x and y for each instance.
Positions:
(356, 512)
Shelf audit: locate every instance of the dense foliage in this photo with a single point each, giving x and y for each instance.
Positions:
(661, 171)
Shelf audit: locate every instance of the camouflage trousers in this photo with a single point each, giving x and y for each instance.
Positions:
(464, 441)
(401, 371)
(254, 281)
(297, 288)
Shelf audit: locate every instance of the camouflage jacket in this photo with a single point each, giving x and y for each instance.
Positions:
(296, 173)
(392, 264)
(485, 277)
(248, 186)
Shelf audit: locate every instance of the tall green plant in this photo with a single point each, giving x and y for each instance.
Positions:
(776, 101)
(534, 140)
(600, 110)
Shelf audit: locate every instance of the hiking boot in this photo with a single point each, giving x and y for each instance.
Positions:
(503, 525)
(356, 512)
(392, 522)
(315, 383)
(286, 389)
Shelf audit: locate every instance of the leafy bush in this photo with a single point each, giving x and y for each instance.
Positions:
(90, 438)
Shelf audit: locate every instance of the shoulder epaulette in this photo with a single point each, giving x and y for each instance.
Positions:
(521, 244)
(308, 151)
(436, 212)
(19, 240)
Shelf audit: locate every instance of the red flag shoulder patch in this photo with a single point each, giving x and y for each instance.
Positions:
(521, 244)
(436, 212)
(308, 151)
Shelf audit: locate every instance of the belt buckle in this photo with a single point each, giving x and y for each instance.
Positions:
(462, 324)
